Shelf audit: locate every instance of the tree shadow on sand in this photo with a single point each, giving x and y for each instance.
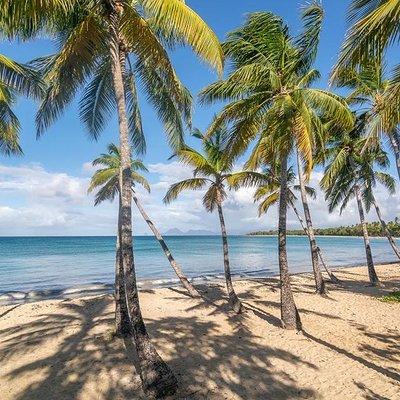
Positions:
(83, 359)
(80, 360)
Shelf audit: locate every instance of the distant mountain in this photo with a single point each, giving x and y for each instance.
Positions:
(191, 232)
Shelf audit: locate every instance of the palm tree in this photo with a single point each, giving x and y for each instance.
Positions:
(212, 171)
(93, 35)
(107, 181)
(375, 27)
(350, 173)
(15, 80)
(319, 282)
(272, 100)
(369, 87)
(267, 194)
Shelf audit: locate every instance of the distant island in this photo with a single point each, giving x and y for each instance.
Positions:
(374, 229)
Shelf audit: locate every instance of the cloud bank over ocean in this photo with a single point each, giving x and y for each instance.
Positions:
(35, 201)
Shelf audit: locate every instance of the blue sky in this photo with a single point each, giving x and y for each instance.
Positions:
(64, 152)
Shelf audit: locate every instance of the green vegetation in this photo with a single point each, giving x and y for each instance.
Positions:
(393, 297)
(273, 108)
(374, 228)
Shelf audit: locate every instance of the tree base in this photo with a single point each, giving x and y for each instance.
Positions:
(378, 284)
(334, 280)
(293, 322)
(236, 305)
(158, 380)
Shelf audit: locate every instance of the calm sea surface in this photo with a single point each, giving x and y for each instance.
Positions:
(45, 263)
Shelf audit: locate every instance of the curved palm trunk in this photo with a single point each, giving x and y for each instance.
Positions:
(386, 229)
(122, 321)
(331, 275)
(233, 298)
(157, 378)
(178, 271)
(373, 277)
(319, 281)
(289, 314)
(395, 142)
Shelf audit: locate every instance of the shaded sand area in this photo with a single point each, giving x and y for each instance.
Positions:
(350, 349)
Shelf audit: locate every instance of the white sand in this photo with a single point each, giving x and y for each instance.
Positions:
(62, 349)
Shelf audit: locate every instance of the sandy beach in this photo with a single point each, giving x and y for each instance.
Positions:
(64, 349)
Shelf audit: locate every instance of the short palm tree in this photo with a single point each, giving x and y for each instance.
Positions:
(351, 173)
(15, 80)
(106, 182)
(267, 195)
(271, 99)
(99, 34)
(212, 170)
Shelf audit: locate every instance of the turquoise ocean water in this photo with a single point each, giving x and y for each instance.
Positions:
(54, 263)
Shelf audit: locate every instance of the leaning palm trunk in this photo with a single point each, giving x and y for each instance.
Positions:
(386, 229)
(373, 277)
(233, 298)
(395, 142)
(319, 281)
(178, 271)
(157, 378)
(331, 275)
(289, 314)
(122, 321)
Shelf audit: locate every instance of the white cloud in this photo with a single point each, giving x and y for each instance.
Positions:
(34, 201)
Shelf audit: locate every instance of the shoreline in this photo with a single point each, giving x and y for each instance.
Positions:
(99, 289)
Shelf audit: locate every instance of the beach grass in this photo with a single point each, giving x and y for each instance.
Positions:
(393, 297)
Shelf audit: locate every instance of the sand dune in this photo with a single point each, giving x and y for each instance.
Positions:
(63, 349)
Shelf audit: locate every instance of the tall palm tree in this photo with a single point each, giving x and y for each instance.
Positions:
(375, 27)
(15, 80)
(351, 173)
(271, 99)
(369, 85)
(106, 180)
(267, 194)
(212, 170)
(94, 34)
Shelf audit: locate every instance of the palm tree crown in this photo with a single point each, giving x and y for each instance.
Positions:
(268, 193)
(349, 167)
(106, 179)
(270, 86)
(15, 80)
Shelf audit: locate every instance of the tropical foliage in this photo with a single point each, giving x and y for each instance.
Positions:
(274, 115)
(374, 229)
(15, 80)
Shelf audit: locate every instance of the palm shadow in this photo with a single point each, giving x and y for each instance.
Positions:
(85, 353)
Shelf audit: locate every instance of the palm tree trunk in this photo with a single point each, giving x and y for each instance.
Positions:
(319, 281)
(386, 229)
(373, 277)
(395, 142)
(178, 271)
(157, 378)
(331, 275)
(289, 314)
(233, 298)
(122, 321)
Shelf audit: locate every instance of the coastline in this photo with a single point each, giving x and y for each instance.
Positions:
(98, 289)
(65, 349)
